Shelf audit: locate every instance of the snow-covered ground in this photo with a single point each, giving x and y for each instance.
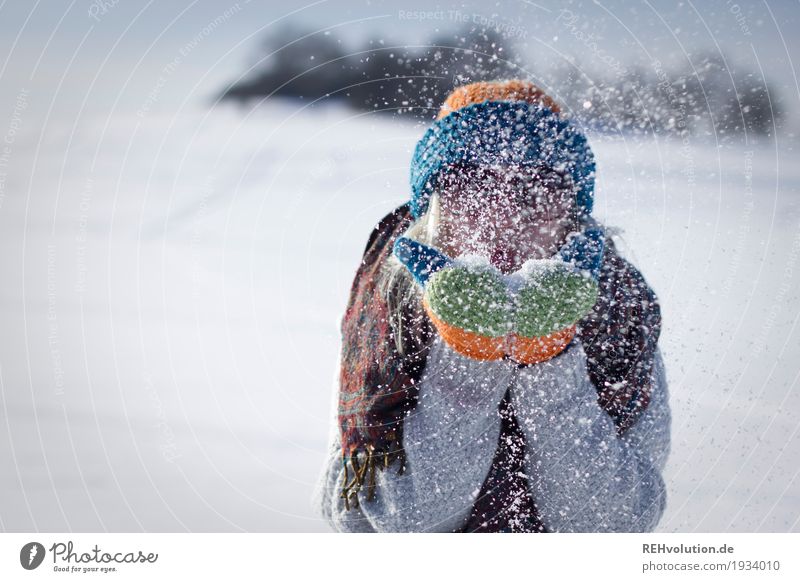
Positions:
(172, 287)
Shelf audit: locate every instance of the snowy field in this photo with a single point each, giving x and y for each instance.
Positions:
(172, 288)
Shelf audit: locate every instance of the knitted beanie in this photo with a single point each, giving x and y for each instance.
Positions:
(501, 123)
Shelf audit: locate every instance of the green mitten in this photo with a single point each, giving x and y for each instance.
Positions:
(551, 295)
(529, 315)
(471, 297)
(467, 300)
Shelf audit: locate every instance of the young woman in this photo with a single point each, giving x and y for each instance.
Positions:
(499, 369)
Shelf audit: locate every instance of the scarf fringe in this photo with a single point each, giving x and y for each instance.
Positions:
(363, 472)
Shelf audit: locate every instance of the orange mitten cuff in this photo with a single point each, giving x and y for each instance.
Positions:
(523, 350)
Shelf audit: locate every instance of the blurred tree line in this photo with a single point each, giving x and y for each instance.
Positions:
(708, 98)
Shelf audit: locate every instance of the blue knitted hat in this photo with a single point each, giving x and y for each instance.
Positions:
(498, 133)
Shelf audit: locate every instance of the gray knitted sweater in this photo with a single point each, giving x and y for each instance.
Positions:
(582, 476)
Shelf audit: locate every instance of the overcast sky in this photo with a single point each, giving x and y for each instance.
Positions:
(117, 50)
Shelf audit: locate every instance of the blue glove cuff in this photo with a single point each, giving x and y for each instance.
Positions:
(585, 251)
(421, 260)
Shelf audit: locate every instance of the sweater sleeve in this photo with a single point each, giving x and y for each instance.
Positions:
(583, 476)
(449, 439)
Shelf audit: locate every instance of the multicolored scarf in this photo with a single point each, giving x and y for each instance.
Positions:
(379, 385)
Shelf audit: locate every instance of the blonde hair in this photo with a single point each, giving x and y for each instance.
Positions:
(395, 283)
